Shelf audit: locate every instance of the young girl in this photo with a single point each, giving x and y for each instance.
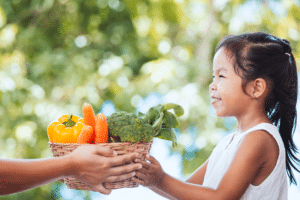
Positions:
(255, 81)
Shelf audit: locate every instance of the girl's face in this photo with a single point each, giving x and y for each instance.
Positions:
(227, 96)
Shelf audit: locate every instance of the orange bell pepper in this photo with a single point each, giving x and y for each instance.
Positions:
(66, 129)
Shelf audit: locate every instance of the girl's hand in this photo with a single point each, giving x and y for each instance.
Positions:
(96, 165)
(151, 175)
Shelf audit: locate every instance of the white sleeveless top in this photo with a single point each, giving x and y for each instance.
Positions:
(275, 186)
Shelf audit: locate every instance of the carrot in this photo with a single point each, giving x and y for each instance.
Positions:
(86, 135)
(101, 129)
(88, 115)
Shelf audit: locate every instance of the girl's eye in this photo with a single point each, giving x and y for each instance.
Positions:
(220, 76)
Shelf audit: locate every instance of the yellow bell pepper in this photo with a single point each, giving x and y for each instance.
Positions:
(66, 129)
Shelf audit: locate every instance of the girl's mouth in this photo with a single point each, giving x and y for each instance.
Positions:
(215, 99)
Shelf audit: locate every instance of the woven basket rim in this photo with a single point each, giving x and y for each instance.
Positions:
(101, 143)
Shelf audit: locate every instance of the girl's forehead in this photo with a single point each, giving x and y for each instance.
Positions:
(222, 61)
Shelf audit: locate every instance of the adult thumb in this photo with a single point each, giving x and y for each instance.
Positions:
(100, 188)
(105, 151)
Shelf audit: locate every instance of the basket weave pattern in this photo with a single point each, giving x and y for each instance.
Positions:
(61, 149)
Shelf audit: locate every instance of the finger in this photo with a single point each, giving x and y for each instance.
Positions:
(144, 163)
(124, 169)
(142, 170)
(123, 159)
(105, 151)
(120, 177)
(100, 188)
(152, 159)
(138, 181)
(141, 175)
(62, 180)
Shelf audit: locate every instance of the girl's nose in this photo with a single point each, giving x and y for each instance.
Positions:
(212, 87)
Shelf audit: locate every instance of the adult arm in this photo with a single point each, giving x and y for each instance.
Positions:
(93, 165)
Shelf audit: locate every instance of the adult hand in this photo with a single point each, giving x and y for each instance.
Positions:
(96, 165)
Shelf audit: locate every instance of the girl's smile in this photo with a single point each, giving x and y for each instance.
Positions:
(215, 100)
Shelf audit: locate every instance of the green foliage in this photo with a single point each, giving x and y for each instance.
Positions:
(157, 122)
(57, 54)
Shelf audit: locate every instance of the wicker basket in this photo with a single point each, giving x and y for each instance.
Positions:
(61, 149)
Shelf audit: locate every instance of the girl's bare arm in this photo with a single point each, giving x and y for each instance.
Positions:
(162, 193)
(251, 156)
(198, 176)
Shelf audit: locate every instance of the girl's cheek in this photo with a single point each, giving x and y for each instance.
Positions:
(224, 88)
(220, 86)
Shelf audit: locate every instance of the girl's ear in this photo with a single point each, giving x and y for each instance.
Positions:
(257, 88)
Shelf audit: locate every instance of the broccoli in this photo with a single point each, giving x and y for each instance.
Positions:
(127, 127)
(157, 122)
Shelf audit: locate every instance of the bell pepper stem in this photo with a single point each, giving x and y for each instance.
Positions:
(69, 122)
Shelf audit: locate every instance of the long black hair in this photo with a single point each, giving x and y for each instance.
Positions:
(261, 55)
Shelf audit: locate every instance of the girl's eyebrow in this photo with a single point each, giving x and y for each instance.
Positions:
(220, 69)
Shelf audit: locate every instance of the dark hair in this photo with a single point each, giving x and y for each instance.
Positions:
(260, 55)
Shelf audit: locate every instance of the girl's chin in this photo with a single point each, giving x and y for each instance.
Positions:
(221, 114)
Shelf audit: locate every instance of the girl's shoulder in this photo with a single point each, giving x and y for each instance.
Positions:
(260, 136)
(266, 132)
(265, 142)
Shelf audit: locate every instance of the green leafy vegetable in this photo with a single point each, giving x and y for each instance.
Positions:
(157, 122)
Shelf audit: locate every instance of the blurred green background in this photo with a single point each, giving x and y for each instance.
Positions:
(57, 54)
